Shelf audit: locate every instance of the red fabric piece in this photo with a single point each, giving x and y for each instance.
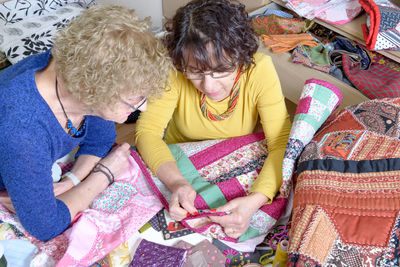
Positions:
(379, 81)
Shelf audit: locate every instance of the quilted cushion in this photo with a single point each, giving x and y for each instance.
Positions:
(347, 193)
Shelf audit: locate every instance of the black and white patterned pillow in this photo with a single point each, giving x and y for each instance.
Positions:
(16, 10)
(28, 28)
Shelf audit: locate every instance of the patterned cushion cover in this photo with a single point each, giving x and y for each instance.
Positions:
(347, 197)
(27, 27)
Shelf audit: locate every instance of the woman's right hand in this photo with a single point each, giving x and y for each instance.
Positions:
(182, 200)
(117, 160)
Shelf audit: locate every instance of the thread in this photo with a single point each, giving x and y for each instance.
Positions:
(281, 255)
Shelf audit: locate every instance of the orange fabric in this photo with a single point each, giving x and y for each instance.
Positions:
(348, 200)
(285, 42)
(343, 120)
(355, 229)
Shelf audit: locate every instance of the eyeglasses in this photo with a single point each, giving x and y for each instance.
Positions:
(214, 75)
(136, 107)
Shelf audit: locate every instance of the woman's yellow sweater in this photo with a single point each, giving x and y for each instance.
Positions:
(179, 109)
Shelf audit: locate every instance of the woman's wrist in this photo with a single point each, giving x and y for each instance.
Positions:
(170, 175)
(98, 178)
(257, 199)
(176, 183)
(71, 177)
(103, 169)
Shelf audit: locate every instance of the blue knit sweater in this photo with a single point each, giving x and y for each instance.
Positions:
(31, 140)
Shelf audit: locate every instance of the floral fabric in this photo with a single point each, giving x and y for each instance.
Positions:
(114, 216)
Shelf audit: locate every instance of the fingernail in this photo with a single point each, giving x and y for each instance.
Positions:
(187, 214)
(196, 213)
(213, 210)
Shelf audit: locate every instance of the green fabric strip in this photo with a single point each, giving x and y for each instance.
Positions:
(322, 94)
(311, 120)
(250, 233)
(211, 193)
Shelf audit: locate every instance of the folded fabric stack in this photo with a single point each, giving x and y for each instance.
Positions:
(285, 42)
(315, 57)
(275, 24)
(332, 11)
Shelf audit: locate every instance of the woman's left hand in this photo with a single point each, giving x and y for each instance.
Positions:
(241, 210)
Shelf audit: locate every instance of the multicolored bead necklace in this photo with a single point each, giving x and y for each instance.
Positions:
(72, 131)
(231, 106)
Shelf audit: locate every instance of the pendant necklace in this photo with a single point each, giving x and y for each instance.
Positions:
(72, 131)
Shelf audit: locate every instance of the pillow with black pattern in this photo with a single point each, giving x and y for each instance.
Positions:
(31, 31)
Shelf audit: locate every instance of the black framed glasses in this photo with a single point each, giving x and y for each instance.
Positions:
(213, 74)
(135, 107)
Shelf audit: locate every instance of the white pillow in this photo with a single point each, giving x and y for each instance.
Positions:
(16, 10)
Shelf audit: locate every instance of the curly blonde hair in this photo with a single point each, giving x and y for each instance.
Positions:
(108, 51)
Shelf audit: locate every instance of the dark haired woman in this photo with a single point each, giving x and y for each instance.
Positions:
(221, 89)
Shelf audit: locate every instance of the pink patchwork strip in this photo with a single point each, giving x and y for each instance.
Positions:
(304, 105)
(223, 149)
(200, 203)
(148, 178)
(275, 208)
(231, 189)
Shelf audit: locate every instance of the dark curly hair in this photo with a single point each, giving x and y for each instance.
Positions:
(223, 24)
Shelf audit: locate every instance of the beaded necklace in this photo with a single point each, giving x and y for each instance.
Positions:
(72, 131)
(231, 106)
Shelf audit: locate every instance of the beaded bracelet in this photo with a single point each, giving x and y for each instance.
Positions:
(109, 175)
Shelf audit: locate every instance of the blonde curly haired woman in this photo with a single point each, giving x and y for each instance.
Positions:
(102, 67)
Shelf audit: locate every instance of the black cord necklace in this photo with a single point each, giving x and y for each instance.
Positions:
(72, 131)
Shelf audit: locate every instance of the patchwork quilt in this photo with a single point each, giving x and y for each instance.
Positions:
(347, 194)
(115, 215)
(220, 170)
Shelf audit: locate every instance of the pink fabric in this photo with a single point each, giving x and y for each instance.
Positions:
(201, 223)
(275, 208)
(304, 105)
(149, 179)
(200, 203)
(332, 11)
(99, 231)
(231, 189)
(222, 149)
(116, 214)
